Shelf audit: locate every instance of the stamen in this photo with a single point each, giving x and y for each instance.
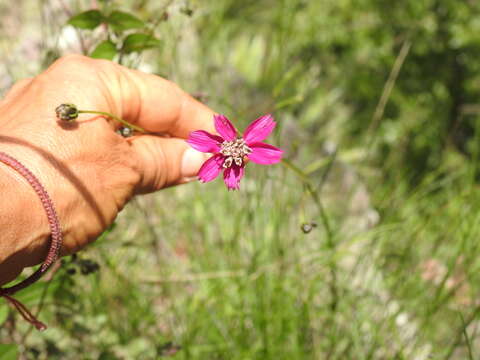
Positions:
(234, 151)
(228, 162)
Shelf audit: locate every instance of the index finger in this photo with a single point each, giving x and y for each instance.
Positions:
(156, 104)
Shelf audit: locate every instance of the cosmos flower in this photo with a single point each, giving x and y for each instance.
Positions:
(231, 151)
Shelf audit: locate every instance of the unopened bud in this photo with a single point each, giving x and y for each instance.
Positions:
(125, 131)
(307, 227)
(67, 112)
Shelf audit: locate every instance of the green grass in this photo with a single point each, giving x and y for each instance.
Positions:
(391, 269)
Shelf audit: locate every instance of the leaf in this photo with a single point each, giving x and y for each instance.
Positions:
(121, 21)
(139, 42)
(87, 20)
(105, 50)
(8, 352)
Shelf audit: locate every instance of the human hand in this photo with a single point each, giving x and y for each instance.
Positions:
(89, 170)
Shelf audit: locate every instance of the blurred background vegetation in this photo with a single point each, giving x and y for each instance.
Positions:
(369, 250)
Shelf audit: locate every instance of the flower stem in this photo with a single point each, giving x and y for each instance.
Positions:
(116, 118)
(297, 171)
(330, 235)
(315, 196)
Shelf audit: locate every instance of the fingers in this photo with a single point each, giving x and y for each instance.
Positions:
(149, 101)
(165, 162)
(159, 105)
(146, 100)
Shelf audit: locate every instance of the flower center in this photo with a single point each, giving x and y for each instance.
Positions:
(234, 151)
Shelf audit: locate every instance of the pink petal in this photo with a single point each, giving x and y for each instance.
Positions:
(211, 168)
(205, 142)
(232, 176)
(264, 153)
(225, 128)
(259, 129)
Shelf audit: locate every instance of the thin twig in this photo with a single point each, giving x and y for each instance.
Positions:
(467, 339)
(388, 87)
(465, 324)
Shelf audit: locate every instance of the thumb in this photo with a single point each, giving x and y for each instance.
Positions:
(165, 161)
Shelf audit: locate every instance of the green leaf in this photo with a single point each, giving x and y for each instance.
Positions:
(8, 352)
(120, 21)
(87, 20)
(139, 42)
(105, 50)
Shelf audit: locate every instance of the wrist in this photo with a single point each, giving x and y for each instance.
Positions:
(25, 229)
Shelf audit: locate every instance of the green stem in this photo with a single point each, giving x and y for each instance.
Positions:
(124, 122)
(316, 197)
(311, 189)
(297, 171)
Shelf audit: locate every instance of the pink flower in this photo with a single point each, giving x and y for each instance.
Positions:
(231, 152)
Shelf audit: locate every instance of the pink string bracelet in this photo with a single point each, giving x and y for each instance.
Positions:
(55, 244)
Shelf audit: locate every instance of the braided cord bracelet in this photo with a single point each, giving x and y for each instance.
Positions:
(55, 244)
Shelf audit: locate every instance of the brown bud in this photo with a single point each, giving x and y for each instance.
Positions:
(307, 227)
(67, 112)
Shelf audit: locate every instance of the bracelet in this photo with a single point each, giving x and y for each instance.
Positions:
(55, 244)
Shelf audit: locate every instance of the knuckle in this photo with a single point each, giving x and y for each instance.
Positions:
(75, 65)
(68, 66)
(175, 88)
(72, 59)
(103, 63)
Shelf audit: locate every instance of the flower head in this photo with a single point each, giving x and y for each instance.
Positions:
(231, 151)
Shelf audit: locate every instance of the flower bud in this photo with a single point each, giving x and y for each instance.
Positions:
(307, 227)
(125, 131)
(67, 112)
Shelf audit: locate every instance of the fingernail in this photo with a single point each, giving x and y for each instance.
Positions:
(191, 162)
(188, 179)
